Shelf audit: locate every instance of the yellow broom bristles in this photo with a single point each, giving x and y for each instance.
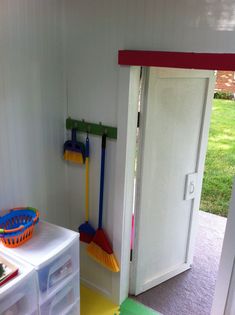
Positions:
(108, 261)
(74, 157)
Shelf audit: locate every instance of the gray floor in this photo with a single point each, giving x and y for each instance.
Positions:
(191, 293)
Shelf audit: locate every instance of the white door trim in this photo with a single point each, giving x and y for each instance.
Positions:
(223, 283)
(145, 76)
(223, 299)
(128, 92)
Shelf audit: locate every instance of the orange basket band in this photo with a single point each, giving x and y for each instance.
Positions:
(36, 218)
(14, 230)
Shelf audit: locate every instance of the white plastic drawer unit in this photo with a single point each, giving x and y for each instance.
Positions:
(54, 253)
(57, 270)
(63, 301)
(19, 295)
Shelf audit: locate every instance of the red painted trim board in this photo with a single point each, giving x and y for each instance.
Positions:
(206, 61)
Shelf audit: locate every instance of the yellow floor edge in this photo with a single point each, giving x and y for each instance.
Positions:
(93, 303)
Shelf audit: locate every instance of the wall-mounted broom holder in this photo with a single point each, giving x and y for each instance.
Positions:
(91, 128)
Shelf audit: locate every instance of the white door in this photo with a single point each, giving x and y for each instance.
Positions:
(174, 132)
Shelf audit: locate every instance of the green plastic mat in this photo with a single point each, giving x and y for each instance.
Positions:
(131, 307)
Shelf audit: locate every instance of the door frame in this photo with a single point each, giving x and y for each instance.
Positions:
(200, 161)
(142, 117)
(225, 284)
(126, 116)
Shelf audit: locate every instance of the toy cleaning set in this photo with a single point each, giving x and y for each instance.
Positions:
(47, 274)
(99, 247)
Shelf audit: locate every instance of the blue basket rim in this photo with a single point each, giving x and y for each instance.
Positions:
(13, 213)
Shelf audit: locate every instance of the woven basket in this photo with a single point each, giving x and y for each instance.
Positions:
(17, 226)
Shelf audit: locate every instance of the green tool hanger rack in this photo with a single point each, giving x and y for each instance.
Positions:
(91, 128)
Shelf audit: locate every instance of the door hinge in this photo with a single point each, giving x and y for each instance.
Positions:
(138, 120)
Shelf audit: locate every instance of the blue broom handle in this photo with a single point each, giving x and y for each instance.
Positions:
(87, 147)
(74, 136)
(102, 181)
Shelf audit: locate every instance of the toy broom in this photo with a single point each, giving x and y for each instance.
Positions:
(100, 248)
(86, 231)
(74, 151)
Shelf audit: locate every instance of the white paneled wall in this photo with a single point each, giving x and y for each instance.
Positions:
(32, 108)
(98, 90)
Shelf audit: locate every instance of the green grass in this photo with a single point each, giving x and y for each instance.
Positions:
(220, 159)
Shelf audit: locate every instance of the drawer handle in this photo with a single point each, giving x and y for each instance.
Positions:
(59, 271)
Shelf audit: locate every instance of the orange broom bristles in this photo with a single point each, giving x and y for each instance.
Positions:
(108, 261)
(74, 157)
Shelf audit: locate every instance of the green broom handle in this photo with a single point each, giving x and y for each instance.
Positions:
(102, 181)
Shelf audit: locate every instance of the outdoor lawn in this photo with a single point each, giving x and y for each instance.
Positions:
(220, 159)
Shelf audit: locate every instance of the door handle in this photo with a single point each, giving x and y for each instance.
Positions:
(191, 188)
